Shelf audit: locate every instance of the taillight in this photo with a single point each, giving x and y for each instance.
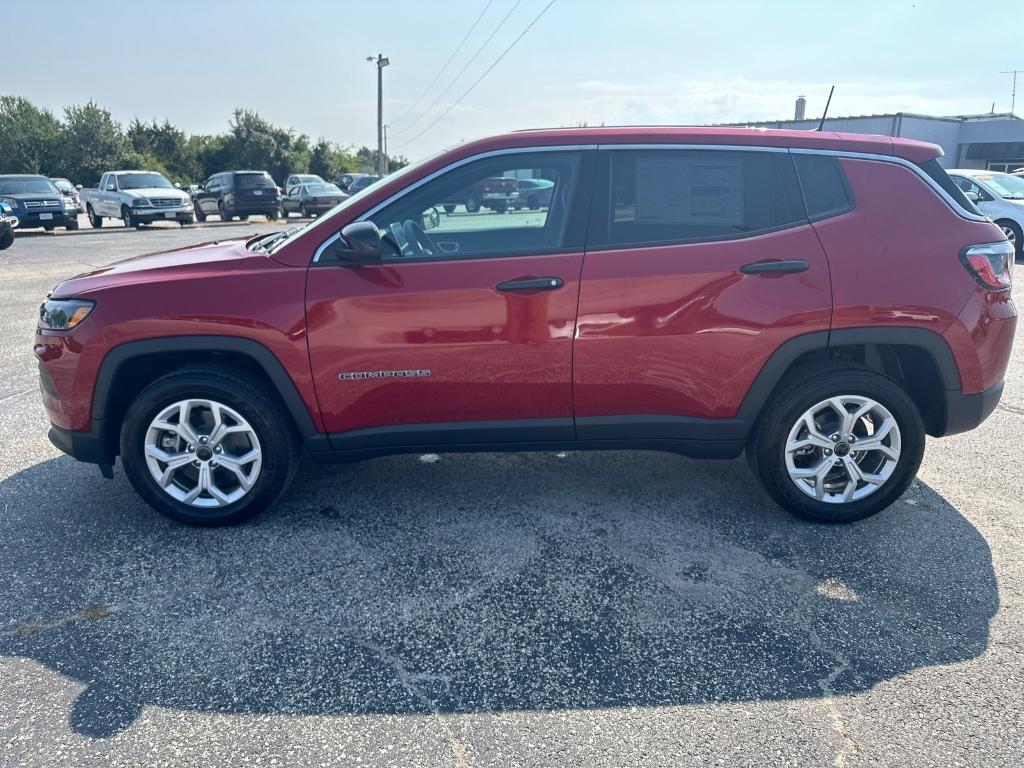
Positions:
(991, 265)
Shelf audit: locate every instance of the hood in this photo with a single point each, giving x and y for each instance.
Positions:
(156, 192)
(34, 196)
(194, 261)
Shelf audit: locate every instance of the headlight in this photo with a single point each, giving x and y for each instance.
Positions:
(140, 202)
(187, 201)
(69, 202)
(63, 314)
(12, 203)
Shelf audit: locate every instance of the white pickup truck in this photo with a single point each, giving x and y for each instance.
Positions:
(136, 198)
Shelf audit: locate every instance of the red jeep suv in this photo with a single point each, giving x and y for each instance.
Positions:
(820, 300)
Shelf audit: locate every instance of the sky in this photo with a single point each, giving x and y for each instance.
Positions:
(302, 64)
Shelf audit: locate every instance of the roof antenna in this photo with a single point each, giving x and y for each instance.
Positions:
(821, 125)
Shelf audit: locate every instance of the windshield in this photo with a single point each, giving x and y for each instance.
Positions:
(272, 243)
(143, 181)
(31, 185)
(253, 180)
(1006, 186)
(323, 189)
(63, 185)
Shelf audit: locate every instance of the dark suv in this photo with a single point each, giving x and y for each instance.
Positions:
(36, 202)
(238, 193)
(820, 301)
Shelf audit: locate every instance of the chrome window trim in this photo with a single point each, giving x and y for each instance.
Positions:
(963, 213)
(458, 164)
(894, 159)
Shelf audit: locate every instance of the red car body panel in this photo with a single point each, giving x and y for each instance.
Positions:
(491, 355)
(679, 330)
(215, 289)
(894, 260)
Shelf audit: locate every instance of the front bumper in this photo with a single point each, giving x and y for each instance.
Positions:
(965, 412)
(148, 215)
(32, 220)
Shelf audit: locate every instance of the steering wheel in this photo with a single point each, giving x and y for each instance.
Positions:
(418, 239)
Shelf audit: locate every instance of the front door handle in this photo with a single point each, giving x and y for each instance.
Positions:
(775, 267)
(532, 284)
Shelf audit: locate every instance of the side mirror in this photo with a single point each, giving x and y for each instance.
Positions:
(974, 197)
(78, 187)
(431, 218)
(177, 185)
(361, 243)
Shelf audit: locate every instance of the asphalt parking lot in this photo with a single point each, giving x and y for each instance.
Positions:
(499, 610)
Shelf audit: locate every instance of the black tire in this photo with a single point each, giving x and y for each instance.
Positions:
(278, 441)
(128, 219)
(533, 202)
(1013, 233)
(243, 217)
(449, 209)
(200, 216)
(186, 220)
(6, 240)
(48, 229)
(472, 204)
(72, 226)
(223, 212)
(500, 206)
(799, 392)
(274, 215)
(304, 212)
(94, 221)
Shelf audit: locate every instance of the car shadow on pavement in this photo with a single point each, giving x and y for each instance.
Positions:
(480, 583)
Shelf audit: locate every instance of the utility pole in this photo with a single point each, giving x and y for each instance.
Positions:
(1013, 93)
(381, 61)
(385, 149)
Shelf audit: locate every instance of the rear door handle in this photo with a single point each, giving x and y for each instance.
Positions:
(775, 267)
(532, 284)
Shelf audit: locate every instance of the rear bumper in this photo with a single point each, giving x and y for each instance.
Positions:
(91, 447)
(965, 412)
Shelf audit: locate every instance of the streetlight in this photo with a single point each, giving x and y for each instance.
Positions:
(381, 61)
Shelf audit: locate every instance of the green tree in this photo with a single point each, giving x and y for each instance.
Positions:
(253, 143)
(328, 160)
(91, 142)
(169, 146)
(29, 138)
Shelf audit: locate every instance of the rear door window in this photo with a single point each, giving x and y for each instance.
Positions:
(692, 195)
(826, 192)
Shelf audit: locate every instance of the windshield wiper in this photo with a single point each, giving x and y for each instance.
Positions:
(265, 244)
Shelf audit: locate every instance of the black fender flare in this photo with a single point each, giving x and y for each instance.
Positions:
(773, 371)
(257, 352)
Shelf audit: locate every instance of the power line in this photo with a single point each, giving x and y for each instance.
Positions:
(482, 76)
(441, 71)
(462, 71)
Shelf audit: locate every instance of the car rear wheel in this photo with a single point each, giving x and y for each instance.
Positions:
(449, 209)
(205, 447)
(223, 212)
(837, 444)
(94, 221)
(472, 204)
(1012, 231)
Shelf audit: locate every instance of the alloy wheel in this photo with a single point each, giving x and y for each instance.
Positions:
(1010, 233)
(843, 449)
(203, 453)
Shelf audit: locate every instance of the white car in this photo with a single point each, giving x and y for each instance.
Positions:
(1000, 196)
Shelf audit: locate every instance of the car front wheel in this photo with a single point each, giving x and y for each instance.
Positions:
(837, 444)
(205, 447)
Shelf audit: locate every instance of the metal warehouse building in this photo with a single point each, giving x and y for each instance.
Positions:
(994, 141)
